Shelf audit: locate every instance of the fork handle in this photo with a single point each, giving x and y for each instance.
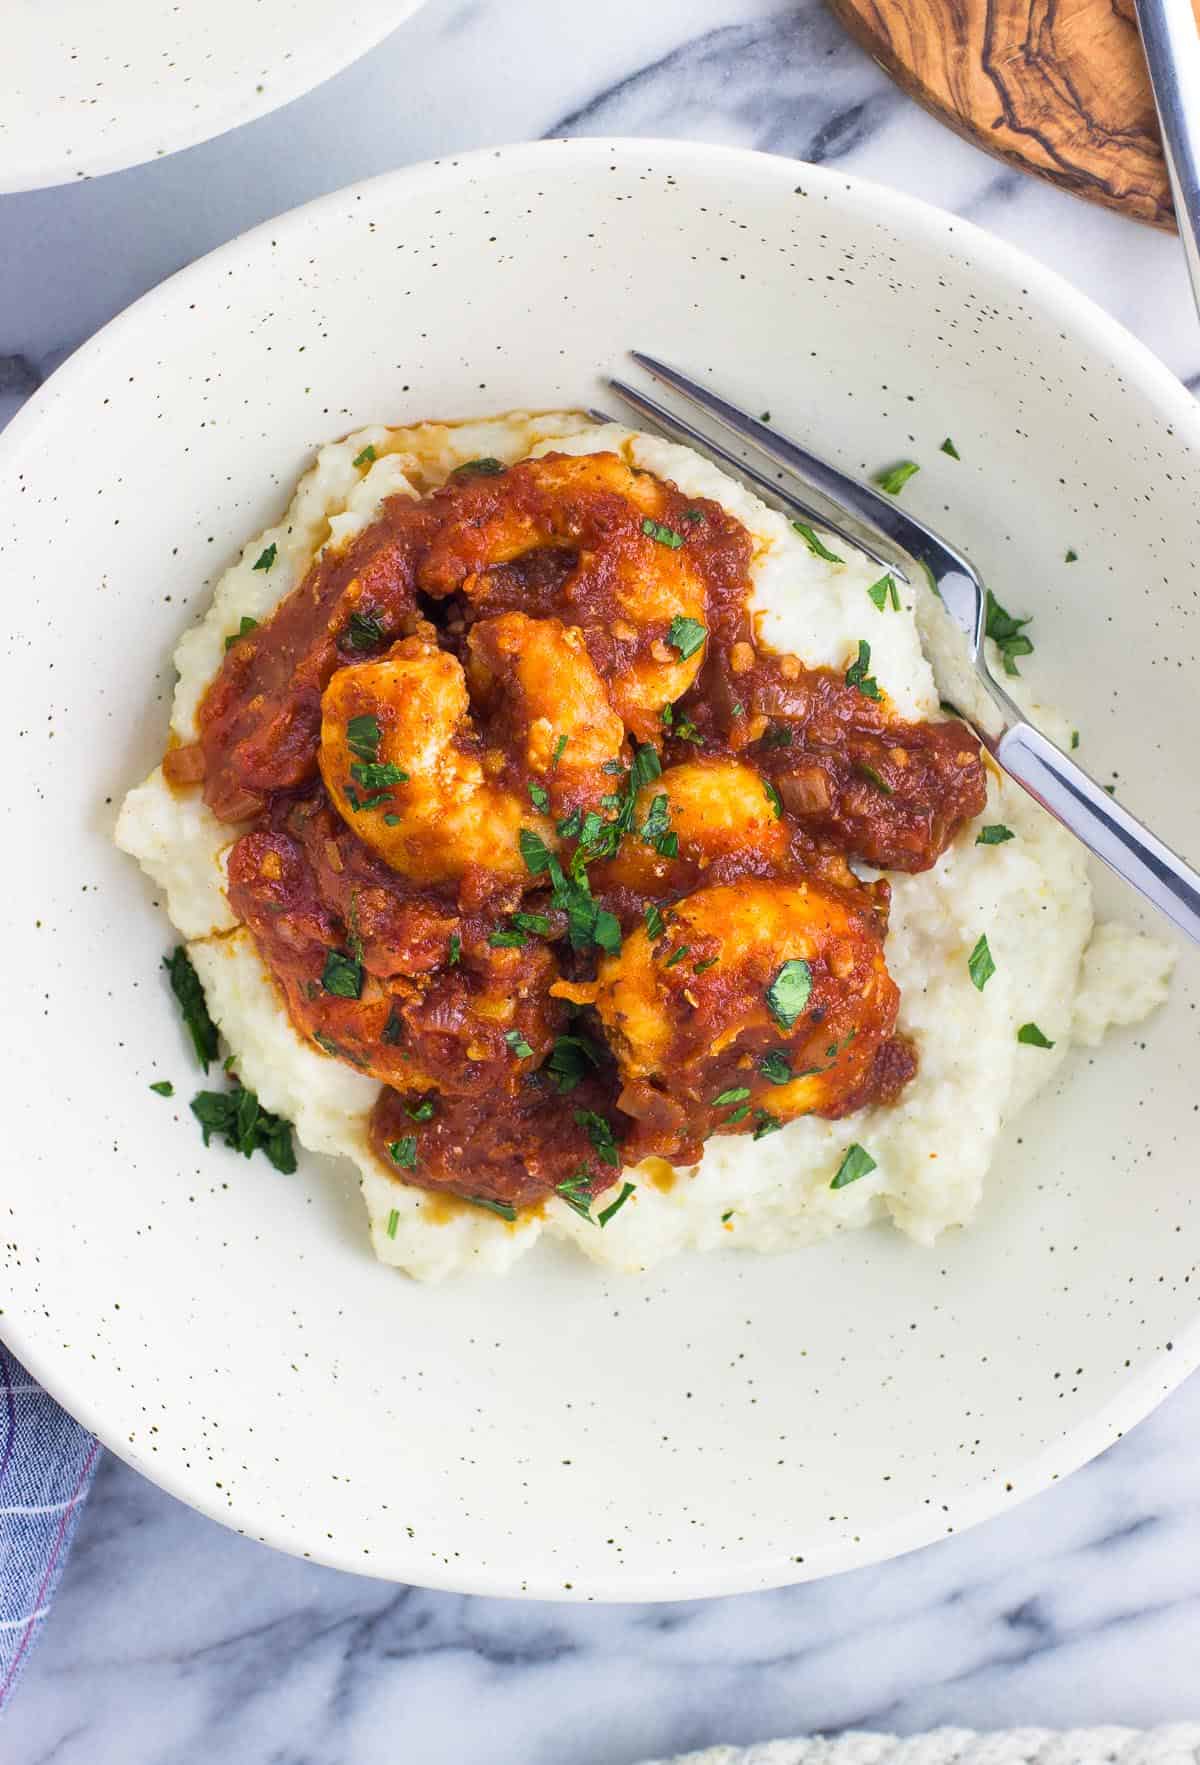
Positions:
(1116, 837)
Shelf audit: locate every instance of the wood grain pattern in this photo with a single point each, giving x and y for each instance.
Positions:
(1057, 87)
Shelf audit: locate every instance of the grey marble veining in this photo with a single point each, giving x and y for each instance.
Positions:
(174, 1642)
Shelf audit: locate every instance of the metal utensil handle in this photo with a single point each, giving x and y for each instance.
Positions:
(1172, 45)
(1110, 832)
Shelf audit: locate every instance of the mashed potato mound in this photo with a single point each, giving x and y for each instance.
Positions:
(932, 1149)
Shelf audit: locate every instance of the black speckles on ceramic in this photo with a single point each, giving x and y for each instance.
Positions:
(86, 89)
(731, 1422)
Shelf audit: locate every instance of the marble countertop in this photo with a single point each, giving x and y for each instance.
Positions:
(174, 1641)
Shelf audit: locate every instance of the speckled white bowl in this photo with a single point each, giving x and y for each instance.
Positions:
(87, 87)
(728, 1423)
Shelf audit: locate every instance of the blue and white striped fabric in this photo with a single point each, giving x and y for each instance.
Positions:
(46, 1466)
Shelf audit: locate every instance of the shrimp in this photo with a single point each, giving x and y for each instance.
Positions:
(617, 552)
(406, 771)
(755, 1003)
(715, 808)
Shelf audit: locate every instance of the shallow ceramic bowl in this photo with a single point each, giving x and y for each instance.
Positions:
(729, 1422)
(88, 88)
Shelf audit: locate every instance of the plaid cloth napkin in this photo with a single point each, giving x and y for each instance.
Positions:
(46, 1467)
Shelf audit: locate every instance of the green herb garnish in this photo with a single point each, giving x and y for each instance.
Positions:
(518, 1044)
(1074, 740)
(772, 796)
(570, 1058)
(163, 1087)
(617, 1205)
(576, 1191)
(393, 1222)
(247, 625)
(664, 535)
(363, 736)
(486, 467)
(1007, 634)
(788, 993)
(777, 736)
(873, 777)
(236, 1116)
(857, 1163)
(377, 775)
(765, 1123)
(560, 747)
(1071, 556)
(894, 478)
(994, 835)
(677, 955)
(1033, 1037)
(421, 1112)
(404, 1152)
(600, 1133)
(655, 924)
(532, 922)
(857, 675)
(657, 821)
(185, 984)
(686, 636)
(667, 845)
(366, 457)
(775, 1067)
(342, 975)
(455, 951)
(703, 967)
(948, 447)
(505, 938)
(980, 966)
(539, 798)
(364, 632)
(503, 1208)
(883, 591)
(738, 1094)
(393, 1030)
(809, 536)
(266, 558)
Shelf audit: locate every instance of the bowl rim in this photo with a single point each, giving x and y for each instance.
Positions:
(1156, 1377)
(303, 72)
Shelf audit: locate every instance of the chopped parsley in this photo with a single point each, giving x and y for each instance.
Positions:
(980, 966)
(455, 951)
(777, 736)
(1074, 740)
(560, 748)
(664, 535)
(677, 955)
(1033, 1037)
(163, 1087)
(765, 1123)
(377, 775)
(393, 1222)
(736, 1115)
(873, 777)
(364, 632)
(363, 736)
(185, 984)
(776, 1068)
(404, 1152)
(738, 1094)
(244, 629)
(421, 1112)
(503, 1208)
(576, 1191)
(788, 993)
(1071, 556)
(686, 636)
(655, 923)
(857, 1163)
(994, 835)
(617, 1205)
(518, 1044)
(342, 975)
(657, 820)
(506, 938)
(539, 798)
(726, 1217)
(1007, 634)
(857, 675)
(366, 457)
(266, 558)
(237, 1117)
(570, 1058)
(809, 536)
(393, 1029)
(600, 1133)
(485, 467)
(948, 447)
(703, 967)
(693, 514)
(532, 922)
(894, 478)
(883, 591)
(772, 796)
(668, 845)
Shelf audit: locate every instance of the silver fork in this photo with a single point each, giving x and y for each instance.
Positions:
(875, 524)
